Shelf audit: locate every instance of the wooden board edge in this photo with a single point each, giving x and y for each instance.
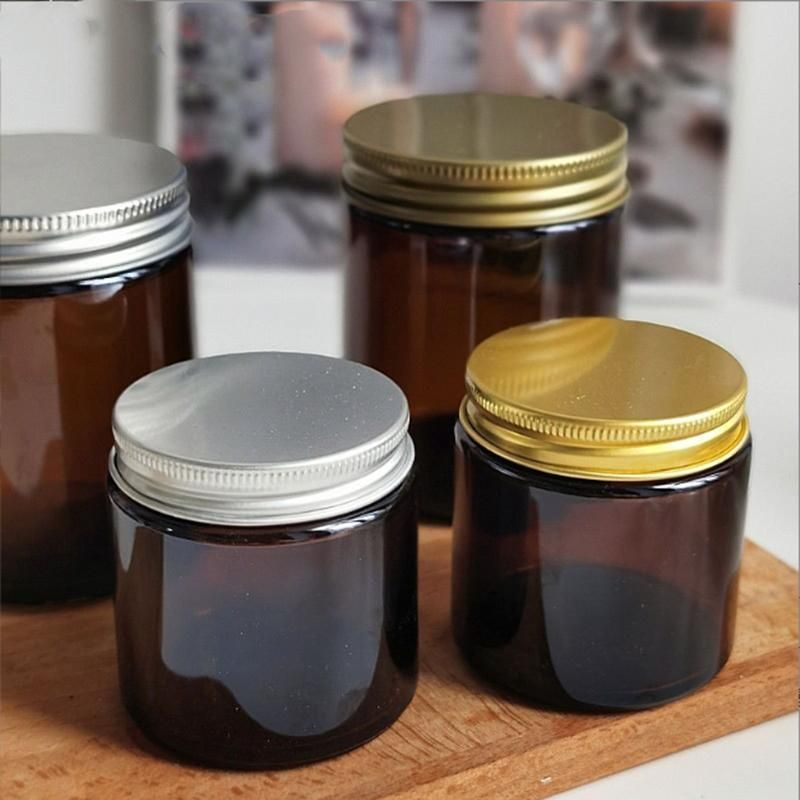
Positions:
(555, 766)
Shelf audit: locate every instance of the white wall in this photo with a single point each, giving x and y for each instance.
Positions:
(761, 197)
(85, 67)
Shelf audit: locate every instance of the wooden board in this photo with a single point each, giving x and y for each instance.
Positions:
(65, 736)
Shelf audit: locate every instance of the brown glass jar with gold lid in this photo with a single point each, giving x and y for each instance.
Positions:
(469, 214)
(94, 293)
(601, 482)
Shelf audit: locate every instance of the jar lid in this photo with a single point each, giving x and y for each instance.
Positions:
(605, 399)
(485, 160)
(80, 206)
(261, 439)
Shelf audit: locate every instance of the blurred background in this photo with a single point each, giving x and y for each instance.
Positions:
(252, 96)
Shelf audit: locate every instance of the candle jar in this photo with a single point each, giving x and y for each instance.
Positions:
(94, 293)
(602, 471)
(265, 530)
(470, 214)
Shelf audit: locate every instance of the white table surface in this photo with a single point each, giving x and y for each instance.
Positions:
(240, 309)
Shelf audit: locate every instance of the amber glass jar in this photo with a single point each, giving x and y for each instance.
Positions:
(602, 471)
(94, 293)
(469, 214)
(266, 543)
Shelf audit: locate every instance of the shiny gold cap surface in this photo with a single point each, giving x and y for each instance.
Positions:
(605, 399)
(485, 160)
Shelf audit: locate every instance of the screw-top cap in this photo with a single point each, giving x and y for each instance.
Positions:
(80, 206)
(485, 160)
(261, 439)
(605, 399)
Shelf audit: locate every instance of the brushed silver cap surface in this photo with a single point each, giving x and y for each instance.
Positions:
(261, 439)
(81, 206)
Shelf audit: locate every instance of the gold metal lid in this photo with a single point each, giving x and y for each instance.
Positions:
(485, 160)
(605, 399)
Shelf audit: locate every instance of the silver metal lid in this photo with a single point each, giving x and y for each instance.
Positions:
(78, 206)
(261, 439)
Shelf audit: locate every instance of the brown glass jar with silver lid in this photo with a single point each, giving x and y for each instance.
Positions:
(469, 214)
(266, 541)
(94, 293)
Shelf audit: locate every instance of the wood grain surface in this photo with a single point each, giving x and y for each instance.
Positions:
(65, 736)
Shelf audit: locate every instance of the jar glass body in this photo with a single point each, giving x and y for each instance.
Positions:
(266, 647)
(419, 299)
(68, 350)
(595, 595)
